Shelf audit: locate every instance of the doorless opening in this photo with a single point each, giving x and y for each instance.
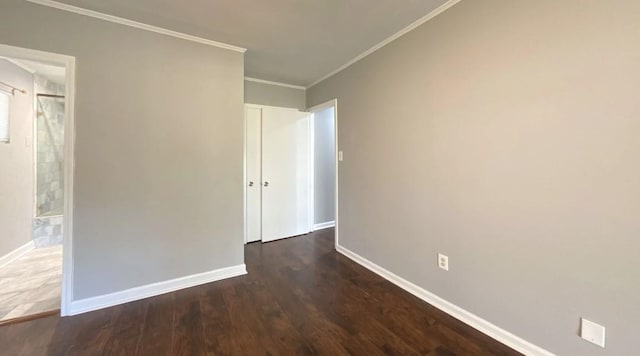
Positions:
(47, 120)
(324, 199)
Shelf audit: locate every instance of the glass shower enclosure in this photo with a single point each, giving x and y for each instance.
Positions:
(49, 156)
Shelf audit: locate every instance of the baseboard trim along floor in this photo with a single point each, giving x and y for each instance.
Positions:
(17, 253)
(324, 225)
(150, 290)
(455, 311)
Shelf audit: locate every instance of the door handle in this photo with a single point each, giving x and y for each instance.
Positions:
(266, 184)
(251, 184)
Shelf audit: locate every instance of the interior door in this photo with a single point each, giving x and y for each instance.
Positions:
(285, 173)
(253, 173)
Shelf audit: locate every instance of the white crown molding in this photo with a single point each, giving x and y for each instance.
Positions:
(17, 253)
(455, 311)
(150, 290)
(390, 39)
(135, 24)
(256, 80)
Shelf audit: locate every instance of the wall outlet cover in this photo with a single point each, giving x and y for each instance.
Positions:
(592, 332)
(443, 262)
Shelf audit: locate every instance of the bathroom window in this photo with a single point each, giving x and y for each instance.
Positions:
(5, 100)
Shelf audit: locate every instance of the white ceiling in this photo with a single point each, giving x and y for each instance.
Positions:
(54, 73)
(290, 41)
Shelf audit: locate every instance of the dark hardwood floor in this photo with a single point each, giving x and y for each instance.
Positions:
(300, 297)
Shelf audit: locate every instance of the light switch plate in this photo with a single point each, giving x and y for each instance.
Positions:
(592, 332)
(340, 156)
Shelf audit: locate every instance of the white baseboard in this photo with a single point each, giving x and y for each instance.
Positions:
(466, 317)
(17, 253)
(150, 290)
(324, 225)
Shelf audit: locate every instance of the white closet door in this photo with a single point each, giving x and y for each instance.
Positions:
(253, 167)
(285, 173)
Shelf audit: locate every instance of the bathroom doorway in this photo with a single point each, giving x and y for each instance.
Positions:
(35, 152)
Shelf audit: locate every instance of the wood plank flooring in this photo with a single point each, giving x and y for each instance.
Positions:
(299, 298)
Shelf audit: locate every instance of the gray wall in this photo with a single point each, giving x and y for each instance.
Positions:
(324, 167)
(16, 158)
(158, 176)
(503, 134)
(274, 95)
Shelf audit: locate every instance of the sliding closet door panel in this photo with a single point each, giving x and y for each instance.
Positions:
(253, 166)
(285, 173)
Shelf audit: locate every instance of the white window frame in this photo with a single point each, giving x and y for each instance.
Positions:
(9, 96)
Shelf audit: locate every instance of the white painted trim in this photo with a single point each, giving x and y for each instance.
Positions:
(260, 106)
(324, 225)
(390, 39)
(337, 200)
(262, 81)
(311, 193)
(9, 93)
(34, 149)
(333, 103)
(17, 253)
(244, 174)
(69, 169)
(135, 24)
(150, 290)
(69, 162)
(455, 311)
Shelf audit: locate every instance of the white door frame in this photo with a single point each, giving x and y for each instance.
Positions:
(311, 211)
(69, 139)
(331, 103)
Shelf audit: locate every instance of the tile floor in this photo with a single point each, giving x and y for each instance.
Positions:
(31, 284)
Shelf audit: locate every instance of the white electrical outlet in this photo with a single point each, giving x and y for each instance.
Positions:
(443, 262)
(592, 332)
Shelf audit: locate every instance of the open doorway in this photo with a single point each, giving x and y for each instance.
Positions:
(35, 185)
(324, 159)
